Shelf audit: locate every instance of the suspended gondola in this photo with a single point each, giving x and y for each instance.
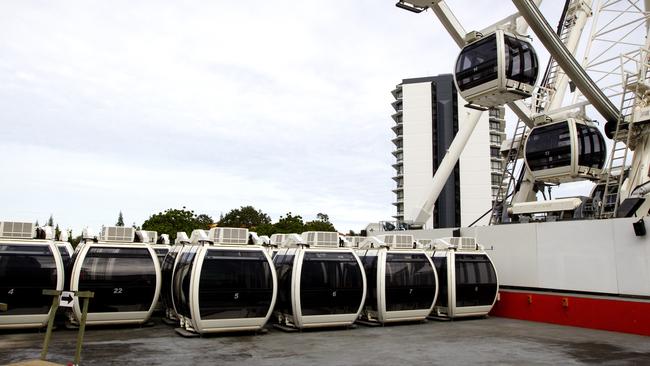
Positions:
(124, 275)
(402, 281)
(496, 69)
(223, 284)
(27, 267)
(468, 280)
(565, 151)
(320, 283)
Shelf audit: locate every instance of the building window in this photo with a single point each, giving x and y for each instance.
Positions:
(496, 179)
(495, 192)
(495, 139)
(494, 125)
(494, 152)
(496, 165)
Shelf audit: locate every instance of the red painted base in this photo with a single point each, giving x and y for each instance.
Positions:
(595, 313)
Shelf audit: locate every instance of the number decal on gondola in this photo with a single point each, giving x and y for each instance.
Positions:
(334, 294)
(117, 290)
(236, 295)
(11, 291)
(410, 291)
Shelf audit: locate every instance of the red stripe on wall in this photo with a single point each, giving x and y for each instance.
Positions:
(595, 313)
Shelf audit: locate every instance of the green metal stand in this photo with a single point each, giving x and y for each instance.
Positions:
(86, 296)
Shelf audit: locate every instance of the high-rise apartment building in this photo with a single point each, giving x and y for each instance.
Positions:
(428, 113)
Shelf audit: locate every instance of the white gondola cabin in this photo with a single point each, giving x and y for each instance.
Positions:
(320, 283)
(27, 267)
(496, 69)
(468, 280)
(222, 284)
(565, 151)
(402, 281)
(125, 277)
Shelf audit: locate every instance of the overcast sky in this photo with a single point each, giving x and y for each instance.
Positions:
(148, 105)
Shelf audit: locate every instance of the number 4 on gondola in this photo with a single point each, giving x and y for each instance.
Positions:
(66, 299)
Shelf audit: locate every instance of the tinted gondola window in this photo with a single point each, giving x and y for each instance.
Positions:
(477, 63)
(283, 262)
(521, 61)
(591, 147)
(549, 147)
(65, 256)
(476, 280)
(161, 253)
(235, 284)
(181, 281)
(441, 269)
(25, 271)
(123, 279)
(330, 283)
(166, 271)
(410, 282)
(370, 266)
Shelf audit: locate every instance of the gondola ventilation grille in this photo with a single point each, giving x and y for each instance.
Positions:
(118, 233)
(229, 236)
(321, 239)
(463, 243)
(399, 241)
(16, 230)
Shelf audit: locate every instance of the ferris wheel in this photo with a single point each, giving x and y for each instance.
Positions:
(556, 138)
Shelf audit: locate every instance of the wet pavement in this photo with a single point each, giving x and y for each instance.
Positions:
(480, 341)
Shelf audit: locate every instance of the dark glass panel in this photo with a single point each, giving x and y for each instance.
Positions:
(284, 261)
(161, 253)
(549, 147)
(521, 60)
(477, 64)
(123, 279)
(443, 291)
(370, 266)
(410, 281)
(166, 271)
(181, 280)
(476, 280)
(330, 283)
(591, 146)
(65, 255)
(235, 284)
(25, 271)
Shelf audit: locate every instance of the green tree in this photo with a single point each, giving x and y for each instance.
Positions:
(57, 232)
(289, 224)
(172, 221)
(50, 221)
(120, 220)
(265, 229)
(322, 223)
(246, 217)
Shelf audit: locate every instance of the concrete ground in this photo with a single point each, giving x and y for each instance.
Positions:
(481, 341)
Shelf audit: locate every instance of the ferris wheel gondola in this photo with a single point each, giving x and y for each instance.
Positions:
(496, 69)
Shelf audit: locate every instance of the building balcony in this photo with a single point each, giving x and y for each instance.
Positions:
(398, 164)
(397, 129)
(397, 105)
(398, 140)
(397, 92)
(399, 216)
(398, 151)
(397, 117)
(398, 189)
